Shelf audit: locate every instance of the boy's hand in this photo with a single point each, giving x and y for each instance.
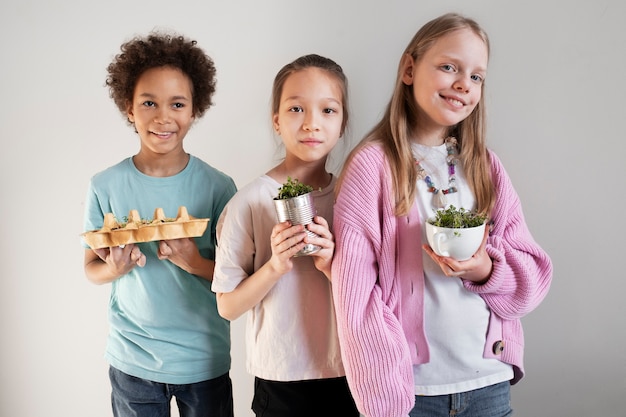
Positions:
(180, 252)
(121, 259)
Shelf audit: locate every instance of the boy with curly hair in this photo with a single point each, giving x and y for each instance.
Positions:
(166, 337)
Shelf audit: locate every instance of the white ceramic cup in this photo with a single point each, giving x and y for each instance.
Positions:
(459, 244)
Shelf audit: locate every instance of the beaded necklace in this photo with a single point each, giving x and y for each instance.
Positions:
(439, 195)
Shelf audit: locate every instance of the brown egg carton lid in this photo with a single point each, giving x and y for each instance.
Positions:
(137, 230)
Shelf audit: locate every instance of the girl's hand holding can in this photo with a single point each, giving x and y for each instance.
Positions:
(325, 239)
(286, 241)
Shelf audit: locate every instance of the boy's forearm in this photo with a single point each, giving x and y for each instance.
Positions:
(98, 272)
(202, 268)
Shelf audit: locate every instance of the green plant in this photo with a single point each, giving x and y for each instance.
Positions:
(292, 188)
(457, 218)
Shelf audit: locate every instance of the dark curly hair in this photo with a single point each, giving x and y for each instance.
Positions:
(158, 50)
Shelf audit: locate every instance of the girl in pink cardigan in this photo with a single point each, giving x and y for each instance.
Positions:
(421, 334)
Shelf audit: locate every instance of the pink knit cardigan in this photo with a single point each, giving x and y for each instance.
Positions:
(378, 284)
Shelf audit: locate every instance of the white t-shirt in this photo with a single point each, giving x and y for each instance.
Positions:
(291, 334)
(456, 320)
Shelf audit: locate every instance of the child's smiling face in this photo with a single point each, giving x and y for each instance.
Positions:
(162, 109)
(448, 79)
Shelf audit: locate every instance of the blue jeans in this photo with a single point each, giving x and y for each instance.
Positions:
(491, 401)
(136, 397)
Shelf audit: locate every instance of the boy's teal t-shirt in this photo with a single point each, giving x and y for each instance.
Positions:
(164, 324)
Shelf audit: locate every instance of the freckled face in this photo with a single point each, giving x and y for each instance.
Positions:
(162, 109)
(310, 115)
(447, 80)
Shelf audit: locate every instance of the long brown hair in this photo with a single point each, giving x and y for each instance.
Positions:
(393, 131)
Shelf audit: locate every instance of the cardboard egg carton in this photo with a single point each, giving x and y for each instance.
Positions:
(138, 230)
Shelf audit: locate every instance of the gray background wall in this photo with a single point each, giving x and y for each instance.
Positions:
(556, 94)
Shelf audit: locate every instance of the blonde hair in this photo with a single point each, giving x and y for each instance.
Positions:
(393, 131)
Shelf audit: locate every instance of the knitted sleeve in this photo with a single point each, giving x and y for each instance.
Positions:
(374, 350)
(522, 271)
